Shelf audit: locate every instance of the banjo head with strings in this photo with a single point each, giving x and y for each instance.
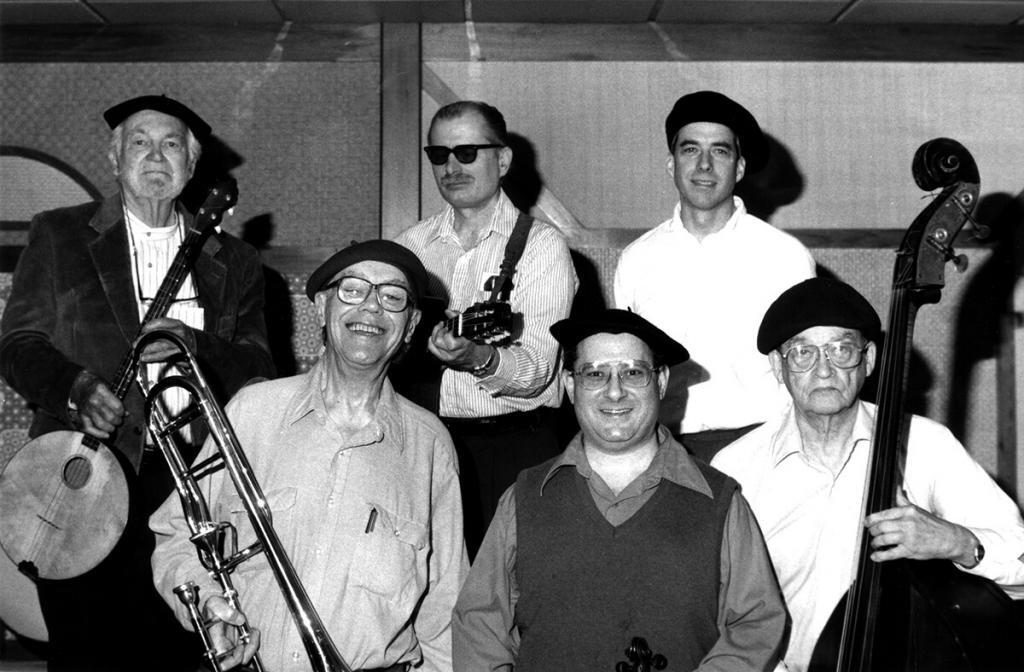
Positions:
(67, 528)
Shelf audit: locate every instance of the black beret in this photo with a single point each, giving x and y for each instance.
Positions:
(715, 107)
(817, 302)
(118, 113)
(385, 251)
(571, 331)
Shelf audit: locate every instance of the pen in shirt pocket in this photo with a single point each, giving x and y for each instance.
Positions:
(371, 521)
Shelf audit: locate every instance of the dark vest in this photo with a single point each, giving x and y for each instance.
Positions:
(587, 588)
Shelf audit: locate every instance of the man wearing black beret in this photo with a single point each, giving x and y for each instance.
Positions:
(363, 485)
(804, 470)
(707, 274)
(622, 536)
(81, 288)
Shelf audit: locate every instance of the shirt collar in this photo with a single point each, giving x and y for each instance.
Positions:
(671, 463)
(739, 212)
(503, 219)
(310, 402)
(786, 441)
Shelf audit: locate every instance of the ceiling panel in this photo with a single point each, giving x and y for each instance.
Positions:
(967, 12)
(750, 11)
(373, 11)
(562, 11)
(188, 12)
(45, 11)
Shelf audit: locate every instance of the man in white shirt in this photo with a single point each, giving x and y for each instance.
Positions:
(803, 472)
(707, 274)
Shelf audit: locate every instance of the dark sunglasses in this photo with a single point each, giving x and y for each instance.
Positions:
(438, 154)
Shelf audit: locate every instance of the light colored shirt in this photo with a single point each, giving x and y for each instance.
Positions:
(710, 295)
(812, 520)
(751, 616)
(383, 583)
(545, 283)
(153, 251)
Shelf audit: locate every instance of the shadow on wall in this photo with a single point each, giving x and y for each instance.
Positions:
(217, 162)
(986, 321)
(920, 379)
(277, 310)
(523, 185)
(778, 184)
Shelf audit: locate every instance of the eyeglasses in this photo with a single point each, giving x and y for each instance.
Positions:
(636, 375)
(466, 154)
(842, 354)
(354, 291)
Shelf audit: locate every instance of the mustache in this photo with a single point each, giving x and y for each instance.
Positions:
(456, 178)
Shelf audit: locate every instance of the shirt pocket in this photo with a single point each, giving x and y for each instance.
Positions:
(390, 556)
(281, 501)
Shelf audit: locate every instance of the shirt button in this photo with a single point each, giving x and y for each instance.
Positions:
(295, 655)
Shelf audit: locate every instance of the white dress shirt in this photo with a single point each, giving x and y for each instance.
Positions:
(710, 295)
(811, 519)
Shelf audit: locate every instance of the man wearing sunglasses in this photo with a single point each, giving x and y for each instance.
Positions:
(497, 399)
(362, 485)
(707, 274)
(622, 536)
(804, 470)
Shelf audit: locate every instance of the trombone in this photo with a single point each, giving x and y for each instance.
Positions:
(210, 537)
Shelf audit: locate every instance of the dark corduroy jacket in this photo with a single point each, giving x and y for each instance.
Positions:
(73, 306)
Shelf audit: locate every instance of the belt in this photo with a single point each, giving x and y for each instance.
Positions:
(500, 423)
(397, 667)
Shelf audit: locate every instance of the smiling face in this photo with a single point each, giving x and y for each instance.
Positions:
(706, 165)
(615, 418)
(153, 161)
(476, 184)
(365, 336)
(825, 389)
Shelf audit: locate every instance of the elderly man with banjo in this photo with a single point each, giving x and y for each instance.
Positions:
(91, 279)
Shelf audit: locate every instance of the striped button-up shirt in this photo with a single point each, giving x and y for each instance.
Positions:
(153, 251)
(545, 283)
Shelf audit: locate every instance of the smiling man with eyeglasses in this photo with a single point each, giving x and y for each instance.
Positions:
(363, 485)
(497, 399)
(804, 470)
(622, 536)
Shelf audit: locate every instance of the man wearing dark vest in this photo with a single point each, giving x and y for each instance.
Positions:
(622, 538)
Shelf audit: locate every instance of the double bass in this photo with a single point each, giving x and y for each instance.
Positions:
(918, 614)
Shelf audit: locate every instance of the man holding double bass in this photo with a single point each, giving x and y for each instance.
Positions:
(80, 290)
(804, 472)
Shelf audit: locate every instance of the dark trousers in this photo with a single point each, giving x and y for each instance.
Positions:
(707, 443)
(111, 618)
(492, 451)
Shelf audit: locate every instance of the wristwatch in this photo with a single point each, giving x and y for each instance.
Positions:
(481, 371)
(979, 554)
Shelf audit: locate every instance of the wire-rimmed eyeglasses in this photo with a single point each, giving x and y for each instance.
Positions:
(355, 290)
(842, 355)
(465, 154)
(593, 376)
